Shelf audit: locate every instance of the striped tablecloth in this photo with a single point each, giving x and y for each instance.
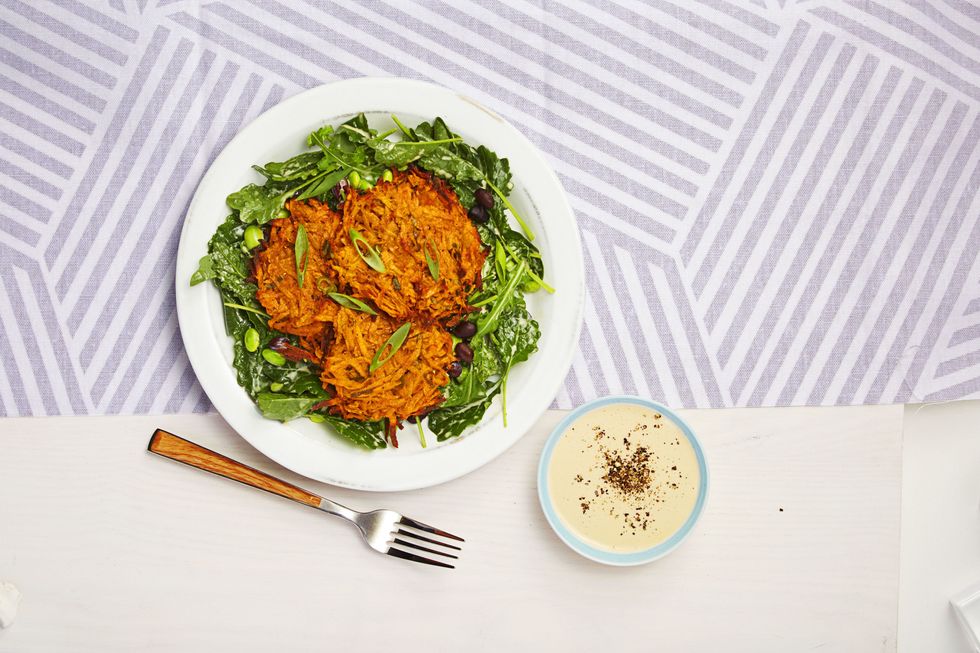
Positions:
(777, 197)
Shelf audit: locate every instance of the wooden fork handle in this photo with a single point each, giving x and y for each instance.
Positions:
(177, 448)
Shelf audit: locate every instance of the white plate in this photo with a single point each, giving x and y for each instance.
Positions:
(305, 447)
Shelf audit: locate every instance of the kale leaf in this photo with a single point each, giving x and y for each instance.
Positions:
(367, 435)
(451, 421)
(283, 407)
(229, 264)
(517, 336)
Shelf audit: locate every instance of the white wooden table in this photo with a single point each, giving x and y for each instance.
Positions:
(118, 550)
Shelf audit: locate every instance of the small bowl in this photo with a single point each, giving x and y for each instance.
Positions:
(601, 555)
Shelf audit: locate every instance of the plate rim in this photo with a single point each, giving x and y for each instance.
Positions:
(238, 422)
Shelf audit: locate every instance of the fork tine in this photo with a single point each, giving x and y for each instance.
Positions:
(405, 555)
(398, 540)
(429, 529)
(427, 539)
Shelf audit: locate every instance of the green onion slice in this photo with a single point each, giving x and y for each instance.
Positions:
(245, 308)
(352, 303)
(368, 253)
(431, 261)
(301, 250)
(388, 349)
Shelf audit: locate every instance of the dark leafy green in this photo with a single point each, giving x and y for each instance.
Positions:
(369, 435)
(450, 422)
(258, 204)
(205, 270)
(300, 166)
(284, 407)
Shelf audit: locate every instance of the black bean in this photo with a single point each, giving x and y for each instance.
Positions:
(464, 352)
(464, 330)
(478, 214)
(455, 369)
(279, 343)
(484, 198)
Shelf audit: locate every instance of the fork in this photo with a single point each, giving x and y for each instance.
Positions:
(385, 531)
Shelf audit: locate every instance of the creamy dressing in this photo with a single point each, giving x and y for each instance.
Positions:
(624, 477)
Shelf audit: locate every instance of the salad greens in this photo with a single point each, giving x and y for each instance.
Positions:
(353, 154)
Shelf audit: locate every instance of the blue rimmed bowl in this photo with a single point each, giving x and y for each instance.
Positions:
(602, 555)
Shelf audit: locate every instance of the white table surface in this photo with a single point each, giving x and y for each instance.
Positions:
(940, 523)
(118, 550)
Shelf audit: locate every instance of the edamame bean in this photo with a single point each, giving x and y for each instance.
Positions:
(251, 340)
(253, 236)
(531, 286)
(387, 176)
(283, 213)
(354, 178)
(273, 357)
(314, 417)
(364, 186)
(275, 387)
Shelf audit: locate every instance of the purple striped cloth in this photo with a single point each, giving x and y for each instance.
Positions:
(778, 198)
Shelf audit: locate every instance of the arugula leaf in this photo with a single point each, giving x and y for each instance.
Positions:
(520, 248)
(324, 185)
(283, 407)
(345, 147)
(300, 166)
(487, 323)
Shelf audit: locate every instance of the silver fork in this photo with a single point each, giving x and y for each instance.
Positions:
(385, 531)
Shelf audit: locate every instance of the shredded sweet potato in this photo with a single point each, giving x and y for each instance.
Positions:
(413, 215)
(300, 311)
(407, 384)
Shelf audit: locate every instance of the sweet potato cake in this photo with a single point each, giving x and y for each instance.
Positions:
(407, 384)
(299, 311)
(412, 220)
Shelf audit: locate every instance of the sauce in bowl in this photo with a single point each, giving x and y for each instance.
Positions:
(624, 477)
